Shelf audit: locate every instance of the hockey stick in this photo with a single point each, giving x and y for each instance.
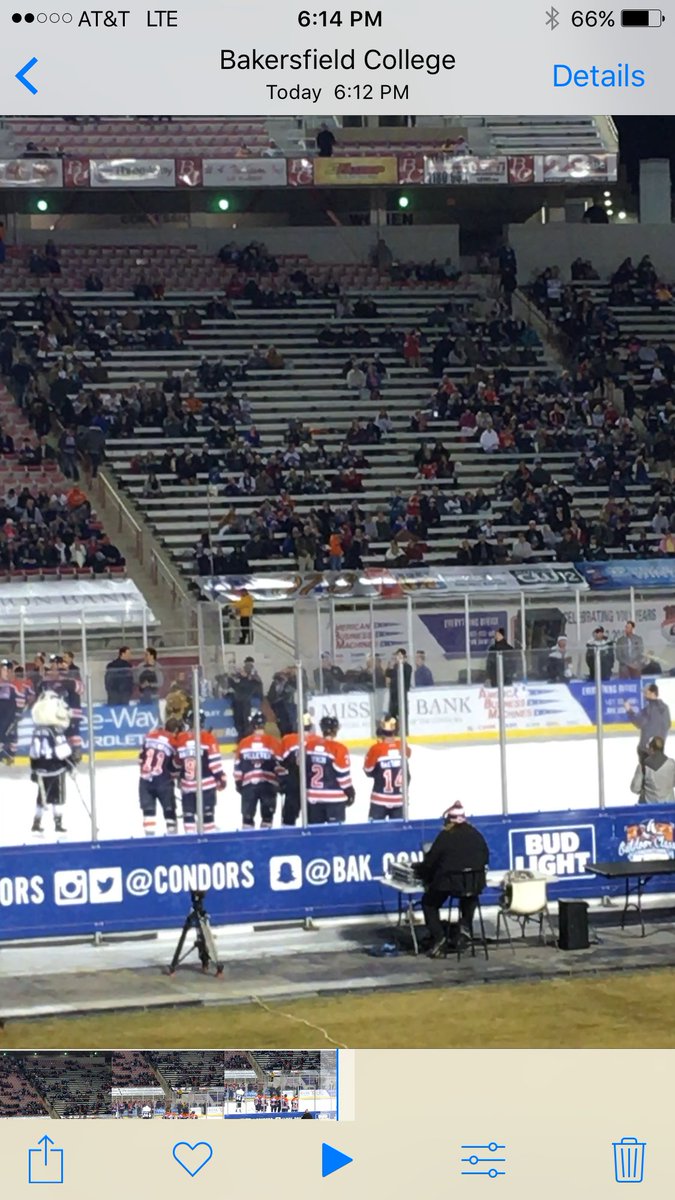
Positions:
(85, 806)
(41, 790)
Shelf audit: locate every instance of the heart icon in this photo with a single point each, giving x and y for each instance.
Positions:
(192, 1157)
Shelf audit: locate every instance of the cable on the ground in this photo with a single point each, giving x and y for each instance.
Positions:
(279, 1012)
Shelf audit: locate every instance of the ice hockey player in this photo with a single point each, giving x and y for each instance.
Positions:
(25, 686)
(384, 765)
(157, 784)
(213, 775)
(50, 757)
(329, 780)
(12, 703)
(257, 773)
(290, 810)
(74, 685)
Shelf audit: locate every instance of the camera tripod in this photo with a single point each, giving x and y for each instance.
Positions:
(205, 945)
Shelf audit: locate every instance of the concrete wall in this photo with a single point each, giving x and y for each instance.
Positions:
(558, 244)
(333, 244)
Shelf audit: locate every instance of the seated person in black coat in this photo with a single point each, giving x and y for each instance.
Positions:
(459, 847)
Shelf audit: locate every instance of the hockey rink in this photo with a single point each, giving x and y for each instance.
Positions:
(542, 775)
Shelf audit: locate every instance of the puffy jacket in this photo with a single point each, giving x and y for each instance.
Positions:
(655, 782)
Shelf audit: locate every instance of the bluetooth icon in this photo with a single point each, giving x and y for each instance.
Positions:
(552, 15)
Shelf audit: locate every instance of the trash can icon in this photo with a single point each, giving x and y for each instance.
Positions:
(629, 1160)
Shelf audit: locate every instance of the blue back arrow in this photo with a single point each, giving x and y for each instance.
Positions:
(21, 76)
(332, 1160)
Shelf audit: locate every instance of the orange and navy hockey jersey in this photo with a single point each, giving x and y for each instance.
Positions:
(186, 762)
(157, 756)
(290, 744)
(258, 760)
(384, 766)
(26, 692)
(328, 769)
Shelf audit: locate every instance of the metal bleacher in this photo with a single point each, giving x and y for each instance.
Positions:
(311, 388)
(211, 137)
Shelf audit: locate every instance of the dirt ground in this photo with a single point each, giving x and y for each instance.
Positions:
(616, 1010)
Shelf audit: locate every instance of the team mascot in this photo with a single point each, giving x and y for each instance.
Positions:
(178, 703)
(51, 756)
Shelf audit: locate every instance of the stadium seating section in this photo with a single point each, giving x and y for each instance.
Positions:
(223, 137)
(265, 377)
(196, 1069)
(64, 1085)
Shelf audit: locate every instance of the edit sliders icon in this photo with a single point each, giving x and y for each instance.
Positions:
(486, 1159)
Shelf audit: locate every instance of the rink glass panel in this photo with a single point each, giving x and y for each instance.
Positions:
(546, 753)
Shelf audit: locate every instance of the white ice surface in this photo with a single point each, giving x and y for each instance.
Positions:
(541, 776)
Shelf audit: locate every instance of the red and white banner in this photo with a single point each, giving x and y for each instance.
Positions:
(521, 168)
(441, 170)
(31, 172)
(189, 172)
(411, 168)
(132, 172)
(459, 169)
(301, 172)
(76, 173)
(245, 172)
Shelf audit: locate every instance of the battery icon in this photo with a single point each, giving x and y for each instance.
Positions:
(642, 18)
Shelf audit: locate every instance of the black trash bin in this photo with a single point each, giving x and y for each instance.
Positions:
(573, 925)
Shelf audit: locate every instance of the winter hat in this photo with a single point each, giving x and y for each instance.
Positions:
(455, 814)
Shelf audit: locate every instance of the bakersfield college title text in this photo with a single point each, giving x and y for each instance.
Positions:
(337, 60)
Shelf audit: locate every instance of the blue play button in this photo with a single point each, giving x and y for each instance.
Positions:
(332, 1160)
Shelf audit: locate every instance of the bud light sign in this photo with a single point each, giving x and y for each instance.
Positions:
(562, 853)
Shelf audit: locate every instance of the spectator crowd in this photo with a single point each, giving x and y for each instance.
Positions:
(619, 437)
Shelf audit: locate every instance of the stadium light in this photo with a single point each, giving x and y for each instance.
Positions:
(622, 216)
(42, 205)
(404, 201)
(608, 203)
(222, 204)
(610, 212)
(606, 194)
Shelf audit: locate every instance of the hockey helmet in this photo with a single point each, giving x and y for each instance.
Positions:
(189, 717)
(51, 711)
(256, 721)
(329, 726)
(387, 727)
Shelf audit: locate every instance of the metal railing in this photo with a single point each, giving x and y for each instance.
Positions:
(109, 497)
